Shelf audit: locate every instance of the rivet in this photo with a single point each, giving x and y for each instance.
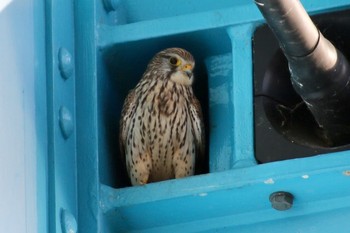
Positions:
(66, 122)
(65, 63)
(281, 200)
(68, 222)
(111, 5)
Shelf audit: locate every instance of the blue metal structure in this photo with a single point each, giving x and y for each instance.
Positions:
(94, 51)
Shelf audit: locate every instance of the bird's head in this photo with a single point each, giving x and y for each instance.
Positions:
(175, 64)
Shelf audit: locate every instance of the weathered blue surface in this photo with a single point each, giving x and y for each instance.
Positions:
(234, 196)
(64, 75)
(61, 114)
(112, 50)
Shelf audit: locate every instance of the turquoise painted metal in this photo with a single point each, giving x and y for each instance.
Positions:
(61, 117)
(114, 41)
(88, 54)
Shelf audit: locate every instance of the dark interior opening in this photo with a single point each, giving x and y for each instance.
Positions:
(120, 69)
(284, 127)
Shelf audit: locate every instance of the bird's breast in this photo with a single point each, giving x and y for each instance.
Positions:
(167, 126)
(167, 98)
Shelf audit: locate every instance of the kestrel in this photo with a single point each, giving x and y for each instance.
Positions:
(161, 126)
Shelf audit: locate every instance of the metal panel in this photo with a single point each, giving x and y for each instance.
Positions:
(62, 162)
(110, 51)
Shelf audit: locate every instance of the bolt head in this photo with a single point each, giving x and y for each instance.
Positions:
(65, 63)
(281, 200)
(68, 222)
(66, 122)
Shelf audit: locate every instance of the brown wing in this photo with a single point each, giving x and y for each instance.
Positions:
(128, 111)
(199, 133)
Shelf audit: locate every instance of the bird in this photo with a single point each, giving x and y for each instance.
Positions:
(161, 126)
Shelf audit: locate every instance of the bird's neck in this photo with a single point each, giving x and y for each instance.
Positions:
(164, 96)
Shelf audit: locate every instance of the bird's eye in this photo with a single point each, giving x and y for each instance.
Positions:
(174, 61)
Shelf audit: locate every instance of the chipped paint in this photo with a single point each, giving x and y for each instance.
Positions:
(219, 95)
(269, 181)
(346, 173)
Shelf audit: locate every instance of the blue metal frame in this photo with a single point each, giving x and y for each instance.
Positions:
(61, 117)
(234, 196)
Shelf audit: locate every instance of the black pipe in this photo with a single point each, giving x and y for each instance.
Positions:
(320, 73)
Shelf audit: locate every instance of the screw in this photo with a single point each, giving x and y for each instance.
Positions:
(65, 63)
(68, 222)
(281, 200)
(65, 122)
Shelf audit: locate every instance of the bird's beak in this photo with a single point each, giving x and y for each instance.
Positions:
(187, 68)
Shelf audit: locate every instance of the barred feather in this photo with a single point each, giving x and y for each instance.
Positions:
(161, 128)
